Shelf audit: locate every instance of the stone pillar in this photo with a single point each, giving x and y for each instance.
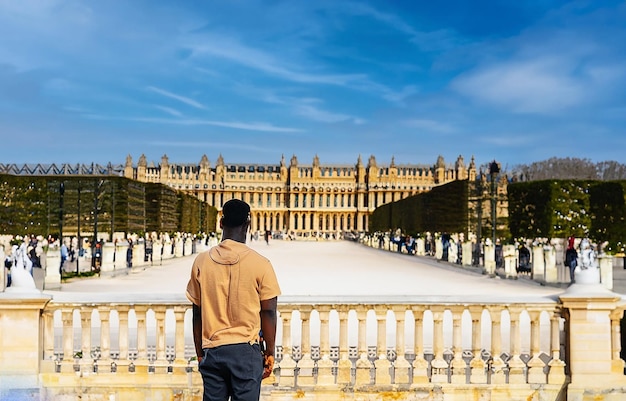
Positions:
(187, 247)
(420, 248)
(108, 253)
(167, 250)
(52, 280)
(139, 251)
(605, 263)
(550, 269)
(120, 255)
(510, 261)
(21, 343)
(538, 273)
(466, 259)
(589, 309)
(178, 247)
(490, 260)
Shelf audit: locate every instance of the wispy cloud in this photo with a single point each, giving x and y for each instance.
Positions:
(230, 49)
(252, 126)
(429, 125)
(169, 110)
(183, 99)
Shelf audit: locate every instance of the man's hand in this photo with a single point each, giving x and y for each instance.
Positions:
(268, 365)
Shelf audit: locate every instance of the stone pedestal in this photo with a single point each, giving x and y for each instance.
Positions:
(420, 249)
(605, 262)
(107, 266)
(591, 346)
(466, 259)
(550, 269)
(120, 256)
(178, 248)
(52, 279)
(187, 247)
(490, 260)
(510, 261)
(538, 273)
(167, 250)
(21, 341)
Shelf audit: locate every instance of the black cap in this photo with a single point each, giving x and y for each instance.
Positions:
(236, 212)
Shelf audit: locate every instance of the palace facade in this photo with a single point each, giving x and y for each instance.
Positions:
(303, 199)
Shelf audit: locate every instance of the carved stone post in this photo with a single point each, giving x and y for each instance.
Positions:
(438, 365)
(556, 375)
(306, 364)
(382, 363)
(325, 375)
(363, 365)
(457, 364)
(497, 364)
(401, 365)
(536, 374)
(516, 365)
(477, 365)
(420, 365)
(287, 365)
(344, 365)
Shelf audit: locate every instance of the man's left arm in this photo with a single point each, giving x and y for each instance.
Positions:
(197, 331)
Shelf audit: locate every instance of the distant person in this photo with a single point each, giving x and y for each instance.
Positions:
(523, 259)
(571, 259)
(234, 293)
(267, 236)
(64, 254)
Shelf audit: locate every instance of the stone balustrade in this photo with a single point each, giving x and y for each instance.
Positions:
(323, 345)
(128, 347)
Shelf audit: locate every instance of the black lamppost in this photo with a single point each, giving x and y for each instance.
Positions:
(494, 170)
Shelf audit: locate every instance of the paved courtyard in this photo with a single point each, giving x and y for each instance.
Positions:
(337, 269)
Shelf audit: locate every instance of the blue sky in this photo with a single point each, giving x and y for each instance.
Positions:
(516, 81)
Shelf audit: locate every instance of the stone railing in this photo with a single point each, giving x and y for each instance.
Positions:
(128, 347)
(546, 260)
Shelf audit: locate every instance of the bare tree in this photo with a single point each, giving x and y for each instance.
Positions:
(570, 168)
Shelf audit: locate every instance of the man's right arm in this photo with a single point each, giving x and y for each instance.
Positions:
(268, 326)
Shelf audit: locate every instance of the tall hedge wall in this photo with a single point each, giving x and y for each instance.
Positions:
(560, 208)
(45, 205)
(445, 208)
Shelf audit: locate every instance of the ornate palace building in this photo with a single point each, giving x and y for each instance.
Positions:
(304, 199)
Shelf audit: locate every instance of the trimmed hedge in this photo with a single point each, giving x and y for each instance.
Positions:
(443, 209)
(560, 208)
(43, 205)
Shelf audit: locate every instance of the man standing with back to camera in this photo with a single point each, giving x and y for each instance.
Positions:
(234, 293)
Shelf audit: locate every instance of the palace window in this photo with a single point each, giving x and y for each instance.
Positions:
(269, 200)
(296, 201)
(303, 200)
(328, 200)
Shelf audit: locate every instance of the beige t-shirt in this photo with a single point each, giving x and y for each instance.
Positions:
(228, 282)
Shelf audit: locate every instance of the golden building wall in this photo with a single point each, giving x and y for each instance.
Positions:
(301, 199)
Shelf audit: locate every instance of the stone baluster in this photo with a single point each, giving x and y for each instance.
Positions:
(477, 365)
(382, 363)
(122, 312)
(142, 346)
(179, 336)
(161, 354)
(617, 363)
(363, 365)
(556, 375)
(287, 365)
(420, 365)
(536, 374)
(401, 365)
(68, 336)
(458, 365)
(306, 364)
(516, 365)
(48, 335)
(105, 334)
(325, 375)
(85, 323)
(497, 364)
(439, 366)
(344, 365)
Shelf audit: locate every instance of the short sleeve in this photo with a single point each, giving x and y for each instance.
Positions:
(269, 284)
(193, 286)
